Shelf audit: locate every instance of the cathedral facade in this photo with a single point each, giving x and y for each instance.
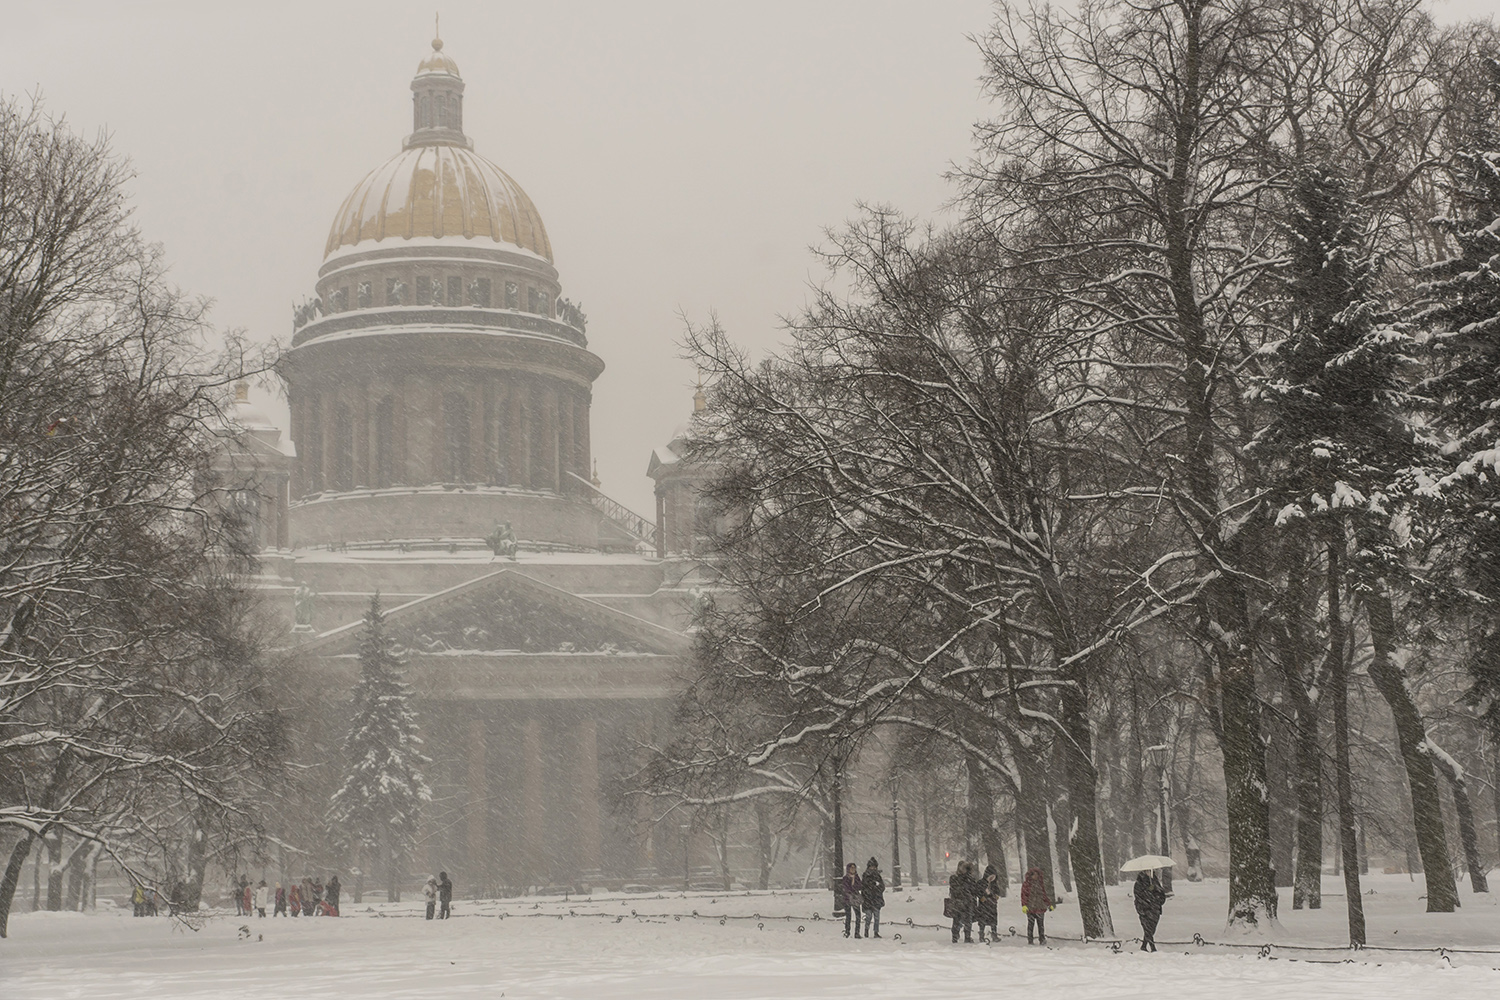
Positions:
(439, 384)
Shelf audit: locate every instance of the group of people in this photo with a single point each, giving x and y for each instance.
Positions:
(976, 899)
(438, 891)
(310, 897)
(143, 901)
(863, 894)
(972, 900)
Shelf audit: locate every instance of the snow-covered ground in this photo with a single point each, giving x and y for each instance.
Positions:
(615, 946)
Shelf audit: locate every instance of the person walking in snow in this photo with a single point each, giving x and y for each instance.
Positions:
(430, 893)
(138, 901)
(280, 910)
(238, 892)
(987, 902)
(333, 895)
(1035, 903)
(1150, 897)
(260, 899)
(445, 896)
(294, 899)
(309, 900)
(872, 894)
(961, 901)
(852, 886)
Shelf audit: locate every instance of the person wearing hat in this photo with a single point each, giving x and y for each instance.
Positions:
(987, 904)
(872, 892)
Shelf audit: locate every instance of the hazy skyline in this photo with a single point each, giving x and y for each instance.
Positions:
(683, 156)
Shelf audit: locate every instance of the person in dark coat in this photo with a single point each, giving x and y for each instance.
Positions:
(333, 895)
(1150, 897)
(445, 896)
(308, 899)
(961, 890)
(986, 903)
(1035, 903)
(280, 909)
(872, 894)
(852, 887)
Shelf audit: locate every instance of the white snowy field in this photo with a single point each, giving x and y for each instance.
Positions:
(595, 948)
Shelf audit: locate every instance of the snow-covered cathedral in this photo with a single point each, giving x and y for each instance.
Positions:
(440, 393)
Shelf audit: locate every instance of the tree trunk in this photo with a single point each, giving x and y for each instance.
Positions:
(911, 840)
(982, 820)
(1252, 896)
(55, 871)
(1078, 819)
(838, 839)
(1282, 783)
(1031, 814)
(726, 874)
(1057, 819)
(1468, 833)
(12, 878)
(1411, 735)
(763, 842)
(1307, 886)
(1184, 810)
(1338, 690)
(1495, 774)
(926, 836)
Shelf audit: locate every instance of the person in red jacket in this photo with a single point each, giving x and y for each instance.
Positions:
(1035, 903)
(294, 899)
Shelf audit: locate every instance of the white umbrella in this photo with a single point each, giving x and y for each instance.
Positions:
(1147, 862)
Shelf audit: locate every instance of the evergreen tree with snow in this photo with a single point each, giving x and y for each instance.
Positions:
(1336, 452)
(1463, 314)
(378, 807)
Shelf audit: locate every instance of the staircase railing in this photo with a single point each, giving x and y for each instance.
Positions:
(623, 517)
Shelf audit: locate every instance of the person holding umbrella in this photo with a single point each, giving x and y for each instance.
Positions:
(1149, 895)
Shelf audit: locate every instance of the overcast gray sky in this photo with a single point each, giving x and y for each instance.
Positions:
(684, 156)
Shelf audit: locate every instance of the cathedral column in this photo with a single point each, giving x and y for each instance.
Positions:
(581, 434)
(586, 772)
(517, 468)
(361, 414)
(552, 479)
(478, 457)
(479, 804)
(533, 803)
(565, 459)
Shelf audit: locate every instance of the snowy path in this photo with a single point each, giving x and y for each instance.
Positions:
(538, 950)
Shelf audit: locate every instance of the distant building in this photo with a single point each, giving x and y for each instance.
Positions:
(440, 393)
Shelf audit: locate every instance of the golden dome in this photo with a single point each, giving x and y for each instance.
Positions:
(439, 191)
(436, 62)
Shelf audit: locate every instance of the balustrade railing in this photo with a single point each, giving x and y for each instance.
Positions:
(632, 523)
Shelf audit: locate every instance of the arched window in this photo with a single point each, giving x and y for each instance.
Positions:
(456, 436)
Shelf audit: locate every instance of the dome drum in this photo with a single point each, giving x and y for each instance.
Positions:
(438, 383)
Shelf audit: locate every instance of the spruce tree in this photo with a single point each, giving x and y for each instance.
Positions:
(378, 807)
(1335, 448)
(1463, 313)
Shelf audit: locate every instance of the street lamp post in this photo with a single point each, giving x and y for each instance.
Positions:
(1159, 756)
